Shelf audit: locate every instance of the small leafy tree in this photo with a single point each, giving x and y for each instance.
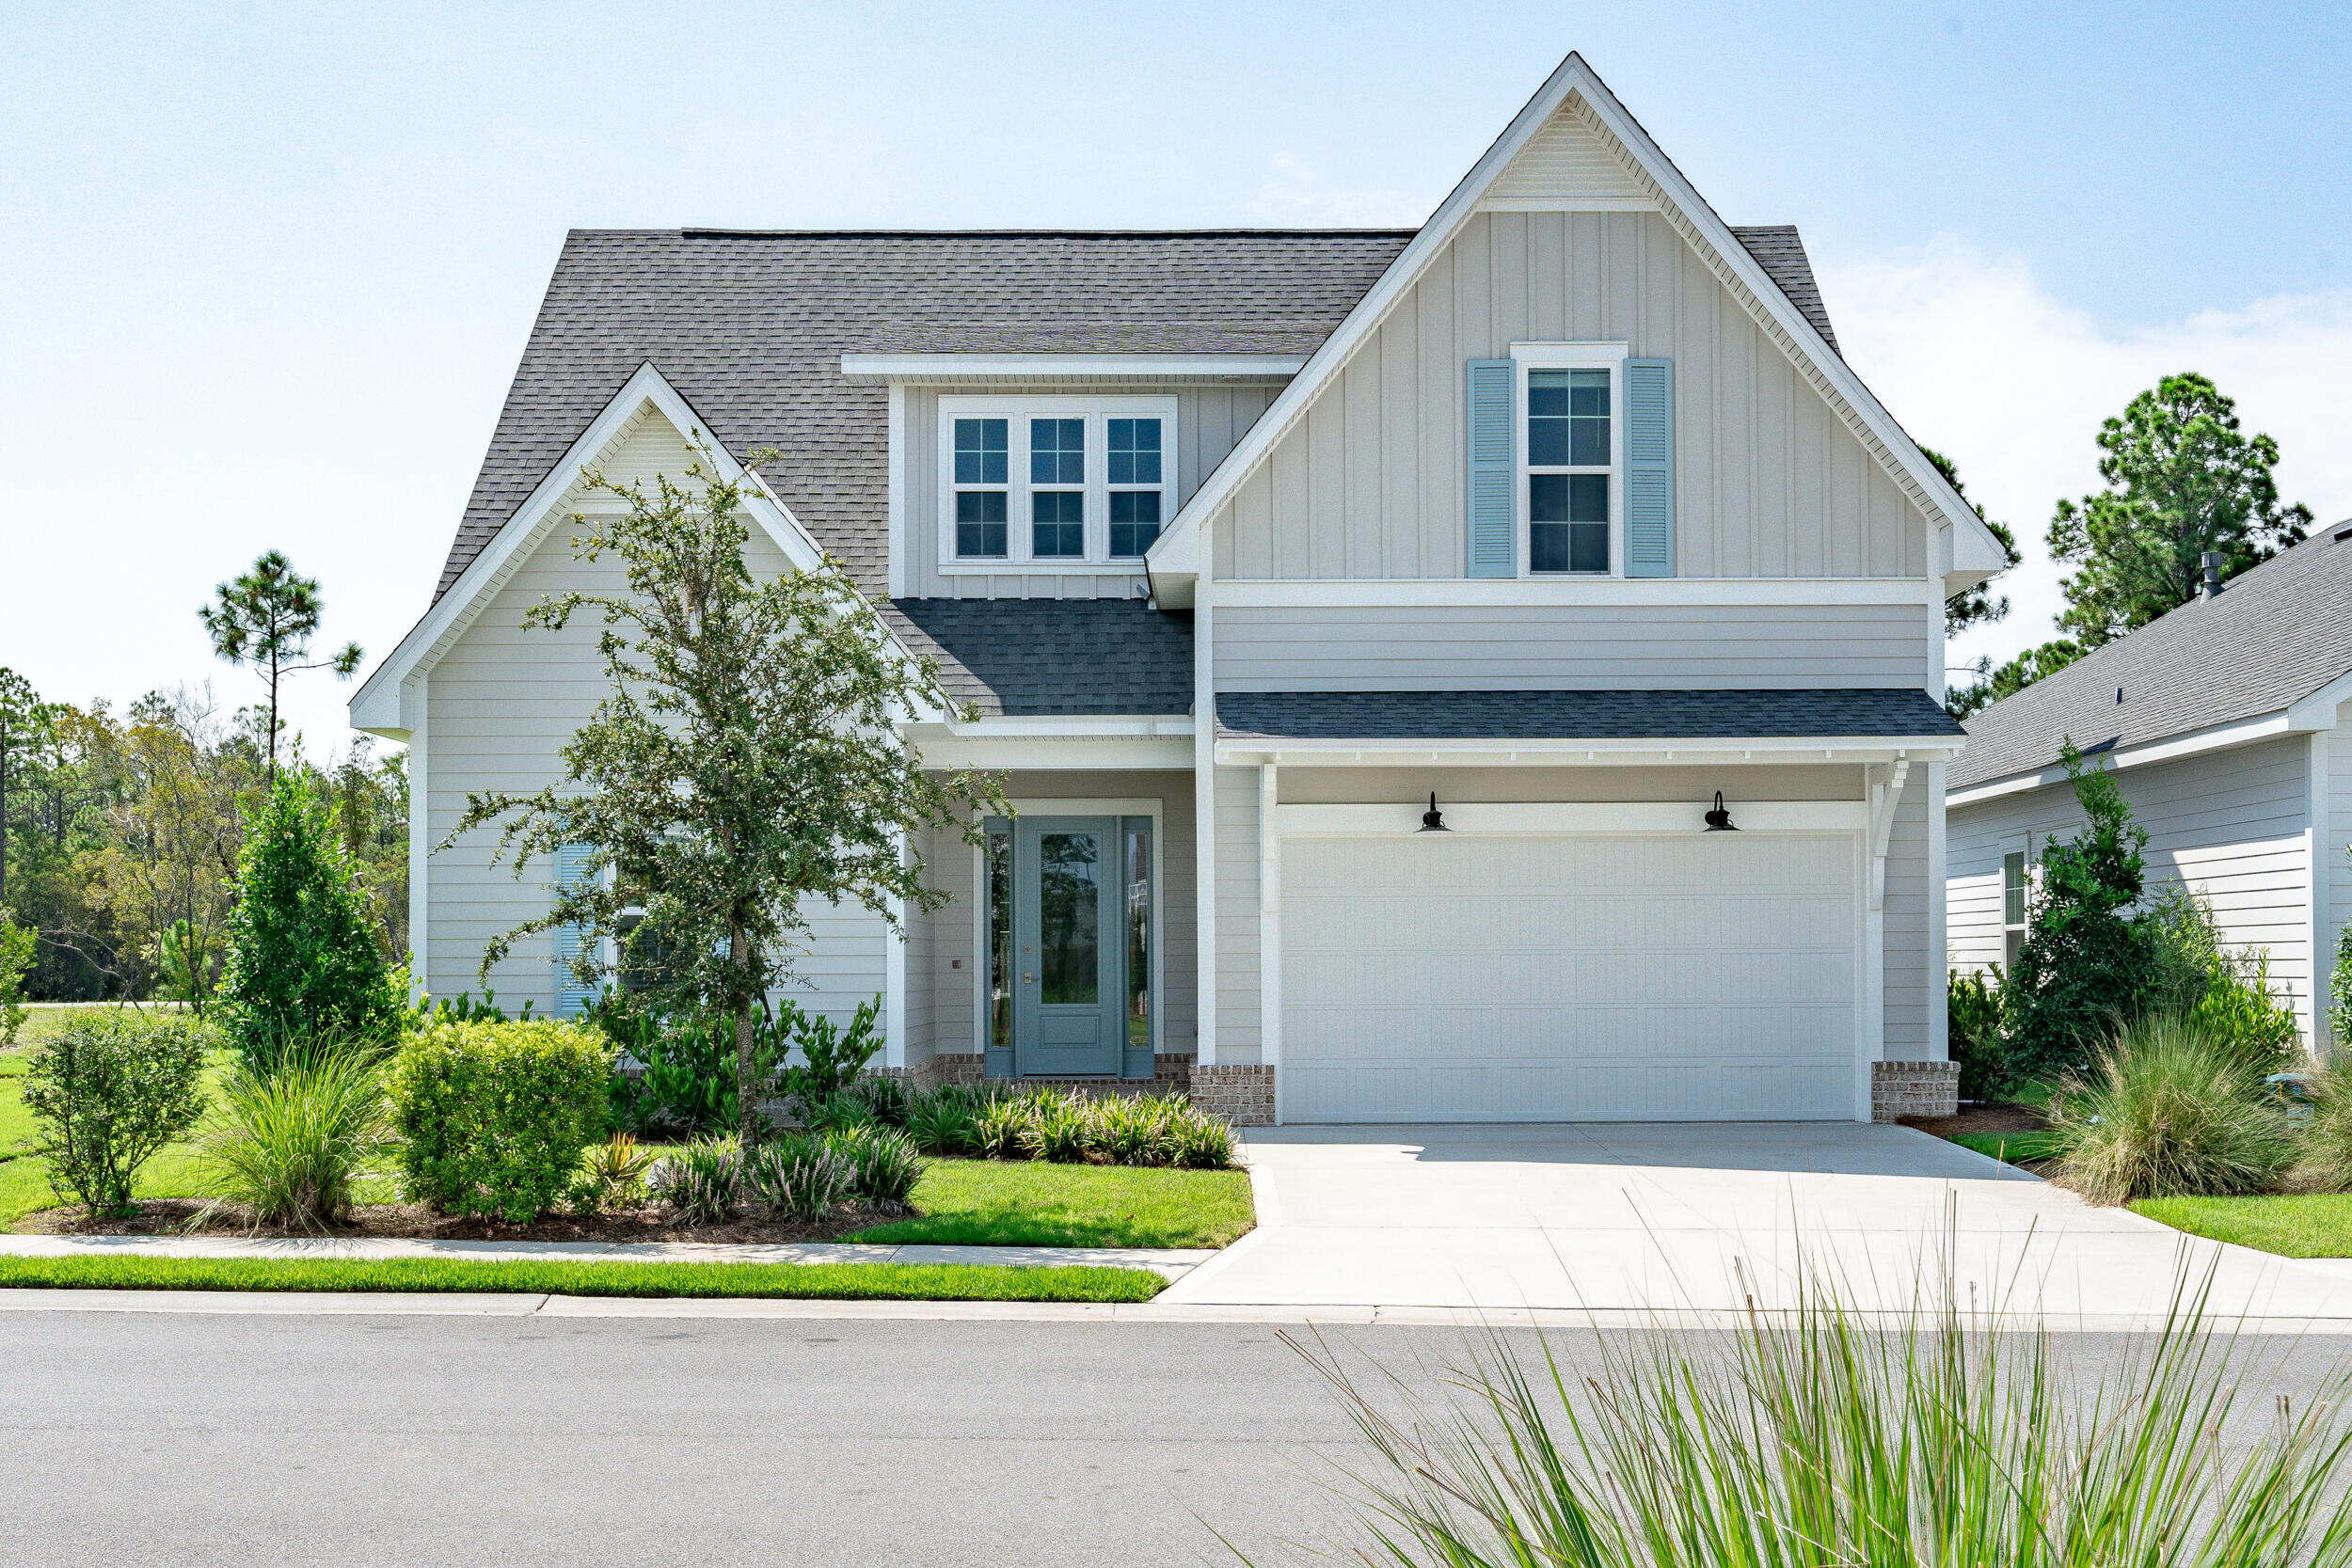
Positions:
(1994, 683)
(17, 946)
(1976, 606)
(2182, 480)
(266, 618)
(106, 1092)
(303, 960)
(744, 767)
(2340, 1009)
(2084, 966)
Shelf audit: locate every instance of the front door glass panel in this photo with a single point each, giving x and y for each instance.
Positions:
(1070, 892)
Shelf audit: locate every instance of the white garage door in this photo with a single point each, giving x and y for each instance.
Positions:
(1460, 978)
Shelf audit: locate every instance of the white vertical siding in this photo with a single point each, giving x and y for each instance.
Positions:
(2228, 823)
(501, 704)
(1768, 481)
(1239, 1038)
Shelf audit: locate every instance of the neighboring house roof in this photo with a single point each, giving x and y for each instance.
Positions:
(1781, 254)
(750, 329)
(2277, 634)
(1015, 656)
(1898, 712)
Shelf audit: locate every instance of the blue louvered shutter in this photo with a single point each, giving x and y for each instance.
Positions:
(1649, 468)
(572, 998)
(1493, 515)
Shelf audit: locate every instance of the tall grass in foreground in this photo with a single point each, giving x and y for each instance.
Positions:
(1813, 1439)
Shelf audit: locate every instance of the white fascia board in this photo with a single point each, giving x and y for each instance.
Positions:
(1074, 726)
(1498, 817)
(1476, 592)
(440, 626)
(939, 747)
(905, 368)
(1243, 752)
(1974, 544)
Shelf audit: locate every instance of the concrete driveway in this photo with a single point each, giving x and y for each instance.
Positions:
(1650, 1217)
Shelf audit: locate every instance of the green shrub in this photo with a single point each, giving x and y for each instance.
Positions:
(2240, 1014)
(496, 1115)
(2185, 954)
(1060, 1129)
(2340, 1009)
(797, 1175)
(612, 1176)
(18, 945)
(886, 1099)
(1136, 1132)
(941, 1123)
(1973, 1008)
(1000, 1128)
(107, 1091)
(832, 1055)
(883, 1163)
(703, 1183)
(2169, 1110)
(837, 1113)
(289, 1144)
(2084, 967)
(1198, 1141)
(303, 960)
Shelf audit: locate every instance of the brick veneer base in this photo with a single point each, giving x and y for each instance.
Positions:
(1900, 1090)
(1243, 1095)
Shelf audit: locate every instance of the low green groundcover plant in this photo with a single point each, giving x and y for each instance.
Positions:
(571, 1278)
(1003, 1121)
(1815, 1437)
(108, 1090)
(496, 1117)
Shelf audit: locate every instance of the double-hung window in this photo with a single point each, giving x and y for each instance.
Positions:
(1070, 481)
(2014, 885)
(1571, 443)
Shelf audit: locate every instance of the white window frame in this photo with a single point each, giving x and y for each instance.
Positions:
(1562, 356)
(1017, 411)
(2023, 848)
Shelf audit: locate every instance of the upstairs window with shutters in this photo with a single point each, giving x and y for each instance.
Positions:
(1571, 462)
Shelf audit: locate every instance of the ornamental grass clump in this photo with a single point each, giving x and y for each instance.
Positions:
(1001, 1128)
(1136, 1132)
(2167, 1111)
(1060, 1129)
(703, 1183)
(797, 1176)
(1198, 1141)
(1816, 1439)
(289, 1142)
(883, 1165)
(943, 1122)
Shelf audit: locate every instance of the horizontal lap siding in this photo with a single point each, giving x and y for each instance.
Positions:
(499, 705)
(2337, 859)
(1209, 421)
(1529, 647)
(2230, 824)
(1239, 1036)
(1369, 483)
(1907, 958)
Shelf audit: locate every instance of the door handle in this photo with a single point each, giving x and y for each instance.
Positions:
(1029, 979)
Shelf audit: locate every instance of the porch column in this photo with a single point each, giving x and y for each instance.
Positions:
(1270, 931)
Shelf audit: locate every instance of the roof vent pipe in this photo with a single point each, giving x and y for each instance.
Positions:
(2213, 574)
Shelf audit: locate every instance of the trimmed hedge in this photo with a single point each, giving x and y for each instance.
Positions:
(495, 1116)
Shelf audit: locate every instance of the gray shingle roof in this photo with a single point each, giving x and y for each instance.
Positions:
(1781, 254)
(1053, 656)
(2277, 634)
(1905, 713)
(750, 327)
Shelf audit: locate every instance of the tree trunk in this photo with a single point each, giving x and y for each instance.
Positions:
(748, 1118)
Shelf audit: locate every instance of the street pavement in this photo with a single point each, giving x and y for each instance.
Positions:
(352, 1439)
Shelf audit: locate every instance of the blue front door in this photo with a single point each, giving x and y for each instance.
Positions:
(1069, 935)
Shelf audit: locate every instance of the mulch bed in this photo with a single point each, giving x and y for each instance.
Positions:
(1998, 1116)
(173, 1217)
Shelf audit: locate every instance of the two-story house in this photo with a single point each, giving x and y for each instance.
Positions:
(1366, 624)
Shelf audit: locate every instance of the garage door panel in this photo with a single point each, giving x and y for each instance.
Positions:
(1569, 976)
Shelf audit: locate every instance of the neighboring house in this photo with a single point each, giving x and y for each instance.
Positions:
(2226, 726)
(1562, 509)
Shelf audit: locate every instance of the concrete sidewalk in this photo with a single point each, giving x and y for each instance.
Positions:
(1174, 1263)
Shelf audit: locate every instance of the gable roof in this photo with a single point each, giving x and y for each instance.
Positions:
(1968, 551)
(2277, 634)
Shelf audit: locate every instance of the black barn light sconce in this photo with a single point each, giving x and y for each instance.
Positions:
(1432, 820)
(1719, 820)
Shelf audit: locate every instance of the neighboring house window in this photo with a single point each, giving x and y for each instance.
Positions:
(1570, 454)
(2012, 905)
(1071, 481)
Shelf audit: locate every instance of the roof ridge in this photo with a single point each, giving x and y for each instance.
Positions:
(714, 234)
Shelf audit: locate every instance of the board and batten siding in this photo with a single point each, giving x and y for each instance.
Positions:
(1209, 420)
(2228, 823)
(499, 704)
(1369, 482)
(948, 935)
(1628, 647)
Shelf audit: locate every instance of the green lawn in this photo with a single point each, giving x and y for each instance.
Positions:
(2316, 1225)
(1023, 1203)
(796, 1281)
(2014, 1147)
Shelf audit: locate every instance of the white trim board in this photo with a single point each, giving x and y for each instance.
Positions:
(1572, 593)
(1958, 535)
(916, 369)
(1241, 753)
(382, 704)
(1582, 816)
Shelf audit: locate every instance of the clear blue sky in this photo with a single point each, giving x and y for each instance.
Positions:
(268, 268)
